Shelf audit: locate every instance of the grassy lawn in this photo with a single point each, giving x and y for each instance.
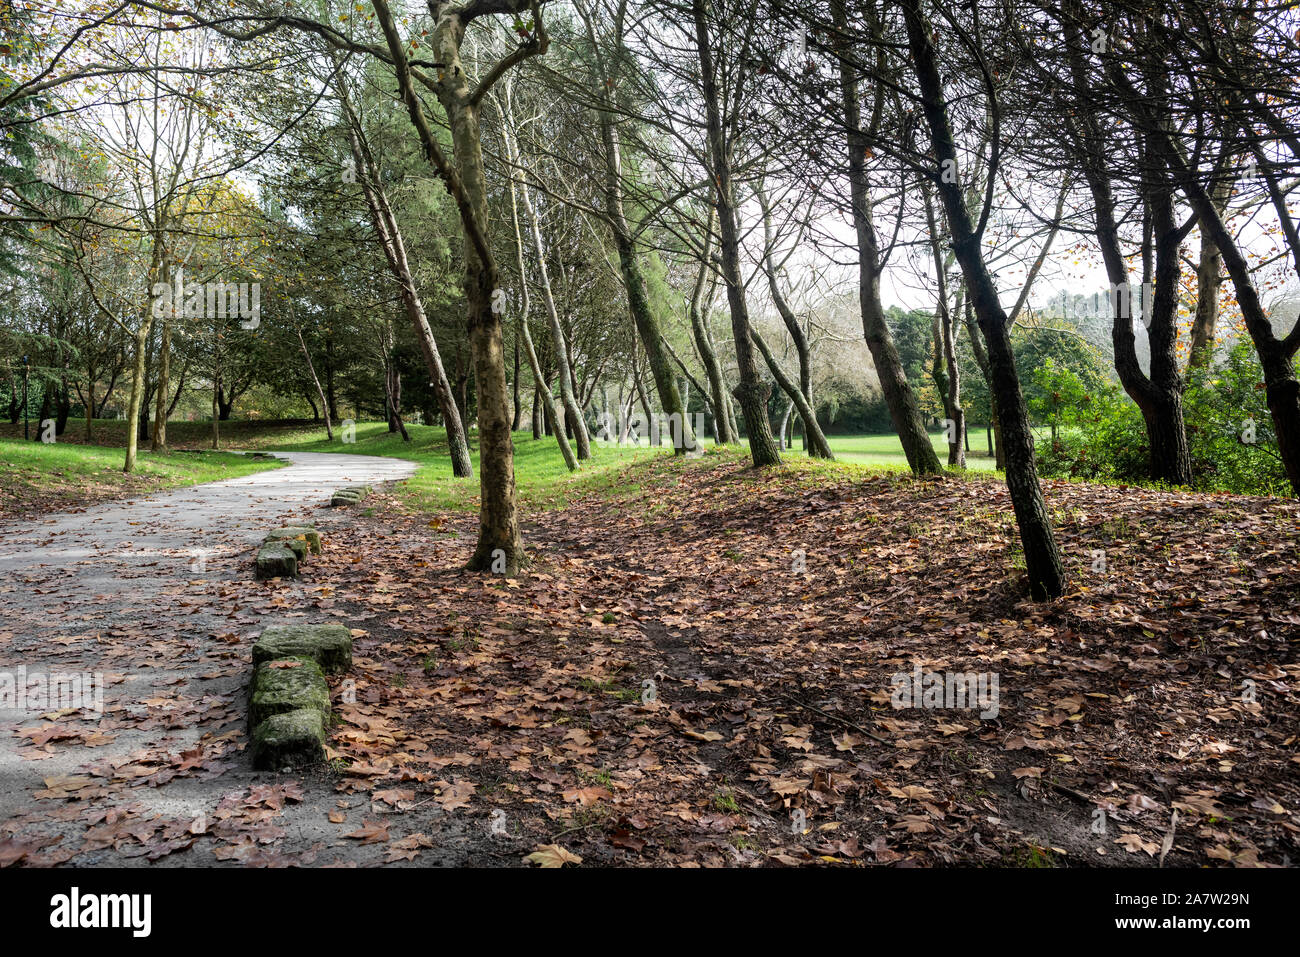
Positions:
(886, 451)
(35, 476)
(542, 480)
(180, 435)
(540, 476)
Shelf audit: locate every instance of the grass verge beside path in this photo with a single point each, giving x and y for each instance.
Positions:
(541, 479)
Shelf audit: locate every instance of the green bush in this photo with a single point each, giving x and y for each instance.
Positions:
(1100, 433)
(1223, 406)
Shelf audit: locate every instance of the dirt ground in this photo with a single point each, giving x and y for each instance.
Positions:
(704, 671)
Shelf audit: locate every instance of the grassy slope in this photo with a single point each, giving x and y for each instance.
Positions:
(886, 451)
(542, 479)
(36, 477)
(540, 475)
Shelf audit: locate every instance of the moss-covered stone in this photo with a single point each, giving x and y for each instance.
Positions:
(287, 684)
(290, 739)
(296, 545)
(275, 560)
(350, 495)
(330, 646)
(298, 533)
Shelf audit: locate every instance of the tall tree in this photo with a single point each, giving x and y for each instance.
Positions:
(751, 391)
(1042, 557)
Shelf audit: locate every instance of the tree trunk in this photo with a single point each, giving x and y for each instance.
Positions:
(751, 392)
(499, 543)
(572, 413)
(1042, 557)
(159, 442)
(47, 408)
(331, 399)
(216, 417)
(134, 404)
(645, 409)
(982, 360)
(945, 371)
(176, 393)
(311, 369)
(395, 400)
(224, 404)
(1276, 356)
(551, 420)
(643, 316)
(1159, 396)
(904, 411)
(647, 326)
(63, 405)
(704, 346)
(394, 246)
(958, 445)
(819, 447)
(1209, 279)
(90, 411)
(500, 546)
(517, 421)
(813, 440)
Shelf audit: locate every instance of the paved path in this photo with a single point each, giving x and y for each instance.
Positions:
(143, 592)
(171, 523)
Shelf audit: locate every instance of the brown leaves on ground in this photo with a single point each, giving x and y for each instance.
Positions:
(688, 672)
(552, 855)
(701, 672)
(371, 832)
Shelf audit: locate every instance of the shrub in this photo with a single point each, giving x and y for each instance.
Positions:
(1100, 433)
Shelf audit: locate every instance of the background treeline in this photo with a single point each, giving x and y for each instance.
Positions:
(1069, 227)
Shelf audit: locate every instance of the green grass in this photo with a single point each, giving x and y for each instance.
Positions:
(886, 451)
(241, 434)
(541, 480)
(35, 474)
(540, 476)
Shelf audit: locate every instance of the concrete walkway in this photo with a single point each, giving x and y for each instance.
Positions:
(173, 523)
(143, 592)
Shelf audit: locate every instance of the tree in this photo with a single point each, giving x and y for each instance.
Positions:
(898, 394)
(366, 171)
(751, 391)
(1042, 557)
